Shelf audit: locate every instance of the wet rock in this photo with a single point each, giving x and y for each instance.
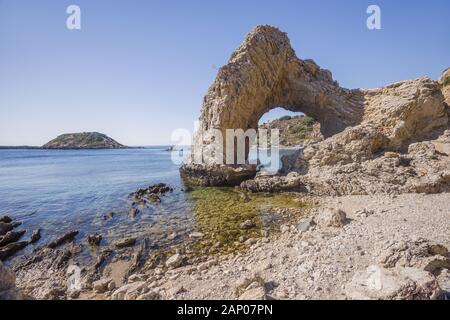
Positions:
(69, 236)
(11, 236)
(5, 219)
(332, 218)
(175, 261)
(151, 193)
(108, 216)
(133, 212)
(305, 224)
(5, 228)
(10, 249)
(94, 239)
(247, 224)
(245, 197)
(379, 283)
(154, 198)
(16, 224)
(35, 236)
(128, 242)
(102, 285)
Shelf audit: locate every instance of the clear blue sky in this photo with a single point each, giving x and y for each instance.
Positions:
(139, 69)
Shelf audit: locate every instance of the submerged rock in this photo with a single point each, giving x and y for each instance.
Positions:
(10, 249)
(36, 236)
(128, 242)
(5, 219)
(247, 224)
(94, 239)
(5, 228)
(69, 236)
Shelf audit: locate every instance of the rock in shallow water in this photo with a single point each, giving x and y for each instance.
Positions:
(94, 239)
(5, 227)
(128, 242)
(5, 219)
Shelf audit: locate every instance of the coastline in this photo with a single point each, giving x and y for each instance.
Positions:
(314, 264)
(306, 258)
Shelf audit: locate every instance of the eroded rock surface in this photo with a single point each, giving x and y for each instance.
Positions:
(364, 129)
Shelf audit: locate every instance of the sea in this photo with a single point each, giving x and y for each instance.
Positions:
(63, 190)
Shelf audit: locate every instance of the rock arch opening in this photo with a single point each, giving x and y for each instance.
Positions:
(263, 74)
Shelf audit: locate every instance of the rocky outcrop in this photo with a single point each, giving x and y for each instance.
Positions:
(407, 269)
(423, 168)
(262, 74)
(84, 140)
(8, 289)
(378, 140)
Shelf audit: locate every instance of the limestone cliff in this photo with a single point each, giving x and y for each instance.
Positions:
(378, 140)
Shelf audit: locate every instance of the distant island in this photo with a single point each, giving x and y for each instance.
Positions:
(84, 140)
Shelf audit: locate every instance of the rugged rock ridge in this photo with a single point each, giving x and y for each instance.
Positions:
(84, 140)
(389, 139)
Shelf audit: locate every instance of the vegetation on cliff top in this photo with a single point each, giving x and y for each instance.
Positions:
(296, 130)
(84, 140)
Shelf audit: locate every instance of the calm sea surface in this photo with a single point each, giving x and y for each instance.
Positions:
(62, 190)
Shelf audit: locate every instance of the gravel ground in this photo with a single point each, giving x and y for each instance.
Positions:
(316, 264)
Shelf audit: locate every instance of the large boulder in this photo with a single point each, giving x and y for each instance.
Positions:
(379, 283)
(8, 289)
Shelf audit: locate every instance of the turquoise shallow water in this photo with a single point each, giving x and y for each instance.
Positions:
(62, 190)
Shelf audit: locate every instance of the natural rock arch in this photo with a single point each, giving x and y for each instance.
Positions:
(264, 73)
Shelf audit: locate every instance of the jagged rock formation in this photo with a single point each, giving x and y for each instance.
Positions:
(84, 140)
(390, 139)
(262, 74)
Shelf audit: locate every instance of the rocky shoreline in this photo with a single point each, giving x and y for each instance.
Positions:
(323, 254)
